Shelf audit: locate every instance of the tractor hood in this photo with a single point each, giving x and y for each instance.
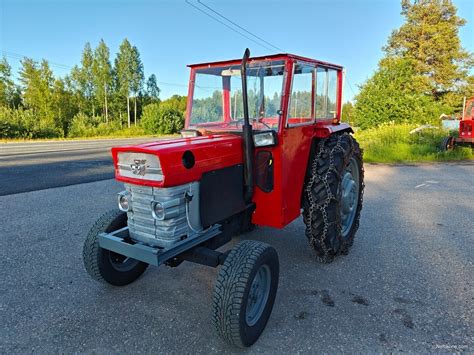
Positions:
(175, 162)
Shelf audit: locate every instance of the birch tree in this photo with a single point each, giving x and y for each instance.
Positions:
(124, 72)
(102, 71)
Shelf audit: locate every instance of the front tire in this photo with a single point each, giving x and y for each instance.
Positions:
(333, 194)
(245, 292)
(105, 265)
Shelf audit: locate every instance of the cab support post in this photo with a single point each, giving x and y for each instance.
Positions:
(247, 133)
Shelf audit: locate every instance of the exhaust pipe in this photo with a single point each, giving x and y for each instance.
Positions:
(247, 133)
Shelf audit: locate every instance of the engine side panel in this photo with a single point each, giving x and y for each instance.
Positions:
(221, 194)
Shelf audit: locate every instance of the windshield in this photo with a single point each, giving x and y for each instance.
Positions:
(217, 98)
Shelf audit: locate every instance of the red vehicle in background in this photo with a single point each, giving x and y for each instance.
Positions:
(466, 128)
(262, 144)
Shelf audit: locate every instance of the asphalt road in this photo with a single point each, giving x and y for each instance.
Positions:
(406, 285)
(33, 166)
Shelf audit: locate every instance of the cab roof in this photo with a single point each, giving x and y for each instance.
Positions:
(279, 56)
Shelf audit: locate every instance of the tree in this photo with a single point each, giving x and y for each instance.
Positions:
(63, 104)
(124, 72)
(137, 77)
(102, 74)
(37, 83)
(84, 76)
(347, 109)
(7, 86)
(391, 95)
(37, 80)
(162, 119)
(179, 102)
(430, 39)
(152, 89)
(424, 73)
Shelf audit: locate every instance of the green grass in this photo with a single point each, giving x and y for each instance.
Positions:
(394, 144)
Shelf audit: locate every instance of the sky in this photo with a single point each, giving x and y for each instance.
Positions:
(171, 34)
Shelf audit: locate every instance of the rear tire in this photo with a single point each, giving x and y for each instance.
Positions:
(332, 197)
(104, 265)
(447, 144)
(245, 292)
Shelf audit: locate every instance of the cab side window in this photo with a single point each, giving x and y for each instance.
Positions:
(326, 93)
(301, 107)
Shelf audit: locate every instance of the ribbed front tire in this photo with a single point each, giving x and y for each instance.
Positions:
(104, 265)
(245, 292)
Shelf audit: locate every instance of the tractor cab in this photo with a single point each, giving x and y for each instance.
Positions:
(291, 101)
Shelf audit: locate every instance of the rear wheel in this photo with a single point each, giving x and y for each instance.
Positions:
(245, 292)
(105, 265)
(447, 143)
(333, 195)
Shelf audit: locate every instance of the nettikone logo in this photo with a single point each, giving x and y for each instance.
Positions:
(138, 167)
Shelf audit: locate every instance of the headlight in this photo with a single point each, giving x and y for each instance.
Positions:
(165, 210)
(158, 211)
(124, 201)
(139, 166)
(264, 139)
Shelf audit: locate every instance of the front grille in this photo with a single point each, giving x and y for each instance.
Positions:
(144, 228)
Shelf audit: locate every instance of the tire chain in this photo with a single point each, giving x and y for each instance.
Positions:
(314, 240)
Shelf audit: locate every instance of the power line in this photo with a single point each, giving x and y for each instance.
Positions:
(229, 27)
(237, 25)
(171, 84)
(349, 83)
(21, 56)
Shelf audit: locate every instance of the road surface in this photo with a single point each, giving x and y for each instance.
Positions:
(33, 166)
(406, 285)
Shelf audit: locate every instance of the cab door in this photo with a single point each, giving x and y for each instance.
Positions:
(296, 137)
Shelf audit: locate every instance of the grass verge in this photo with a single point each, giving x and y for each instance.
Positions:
(393, 143)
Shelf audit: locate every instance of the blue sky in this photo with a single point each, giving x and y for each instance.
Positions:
(171, 34)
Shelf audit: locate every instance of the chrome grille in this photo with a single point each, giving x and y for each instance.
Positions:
(144, 228)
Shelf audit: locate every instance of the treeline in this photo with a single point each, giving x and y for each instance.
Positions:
(425, 71)
(95, 98)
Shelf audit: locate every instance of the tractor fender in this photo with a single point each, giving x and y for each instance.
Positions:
(321, 132)
(325, 130)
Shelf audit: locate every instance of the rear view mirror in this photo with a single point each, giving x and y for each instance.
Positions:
(230, 72)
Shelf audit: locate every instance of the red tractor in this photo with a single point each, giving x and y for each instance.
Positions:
(262, 144)
(466, 128)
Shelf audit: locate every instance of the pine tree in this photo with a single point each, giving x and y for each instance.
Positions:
(425, 71)
(430, 39)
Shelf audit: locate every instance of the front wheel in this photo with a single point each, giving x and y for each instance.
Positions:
(105, 265)
(333, 194)
(245, 292)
